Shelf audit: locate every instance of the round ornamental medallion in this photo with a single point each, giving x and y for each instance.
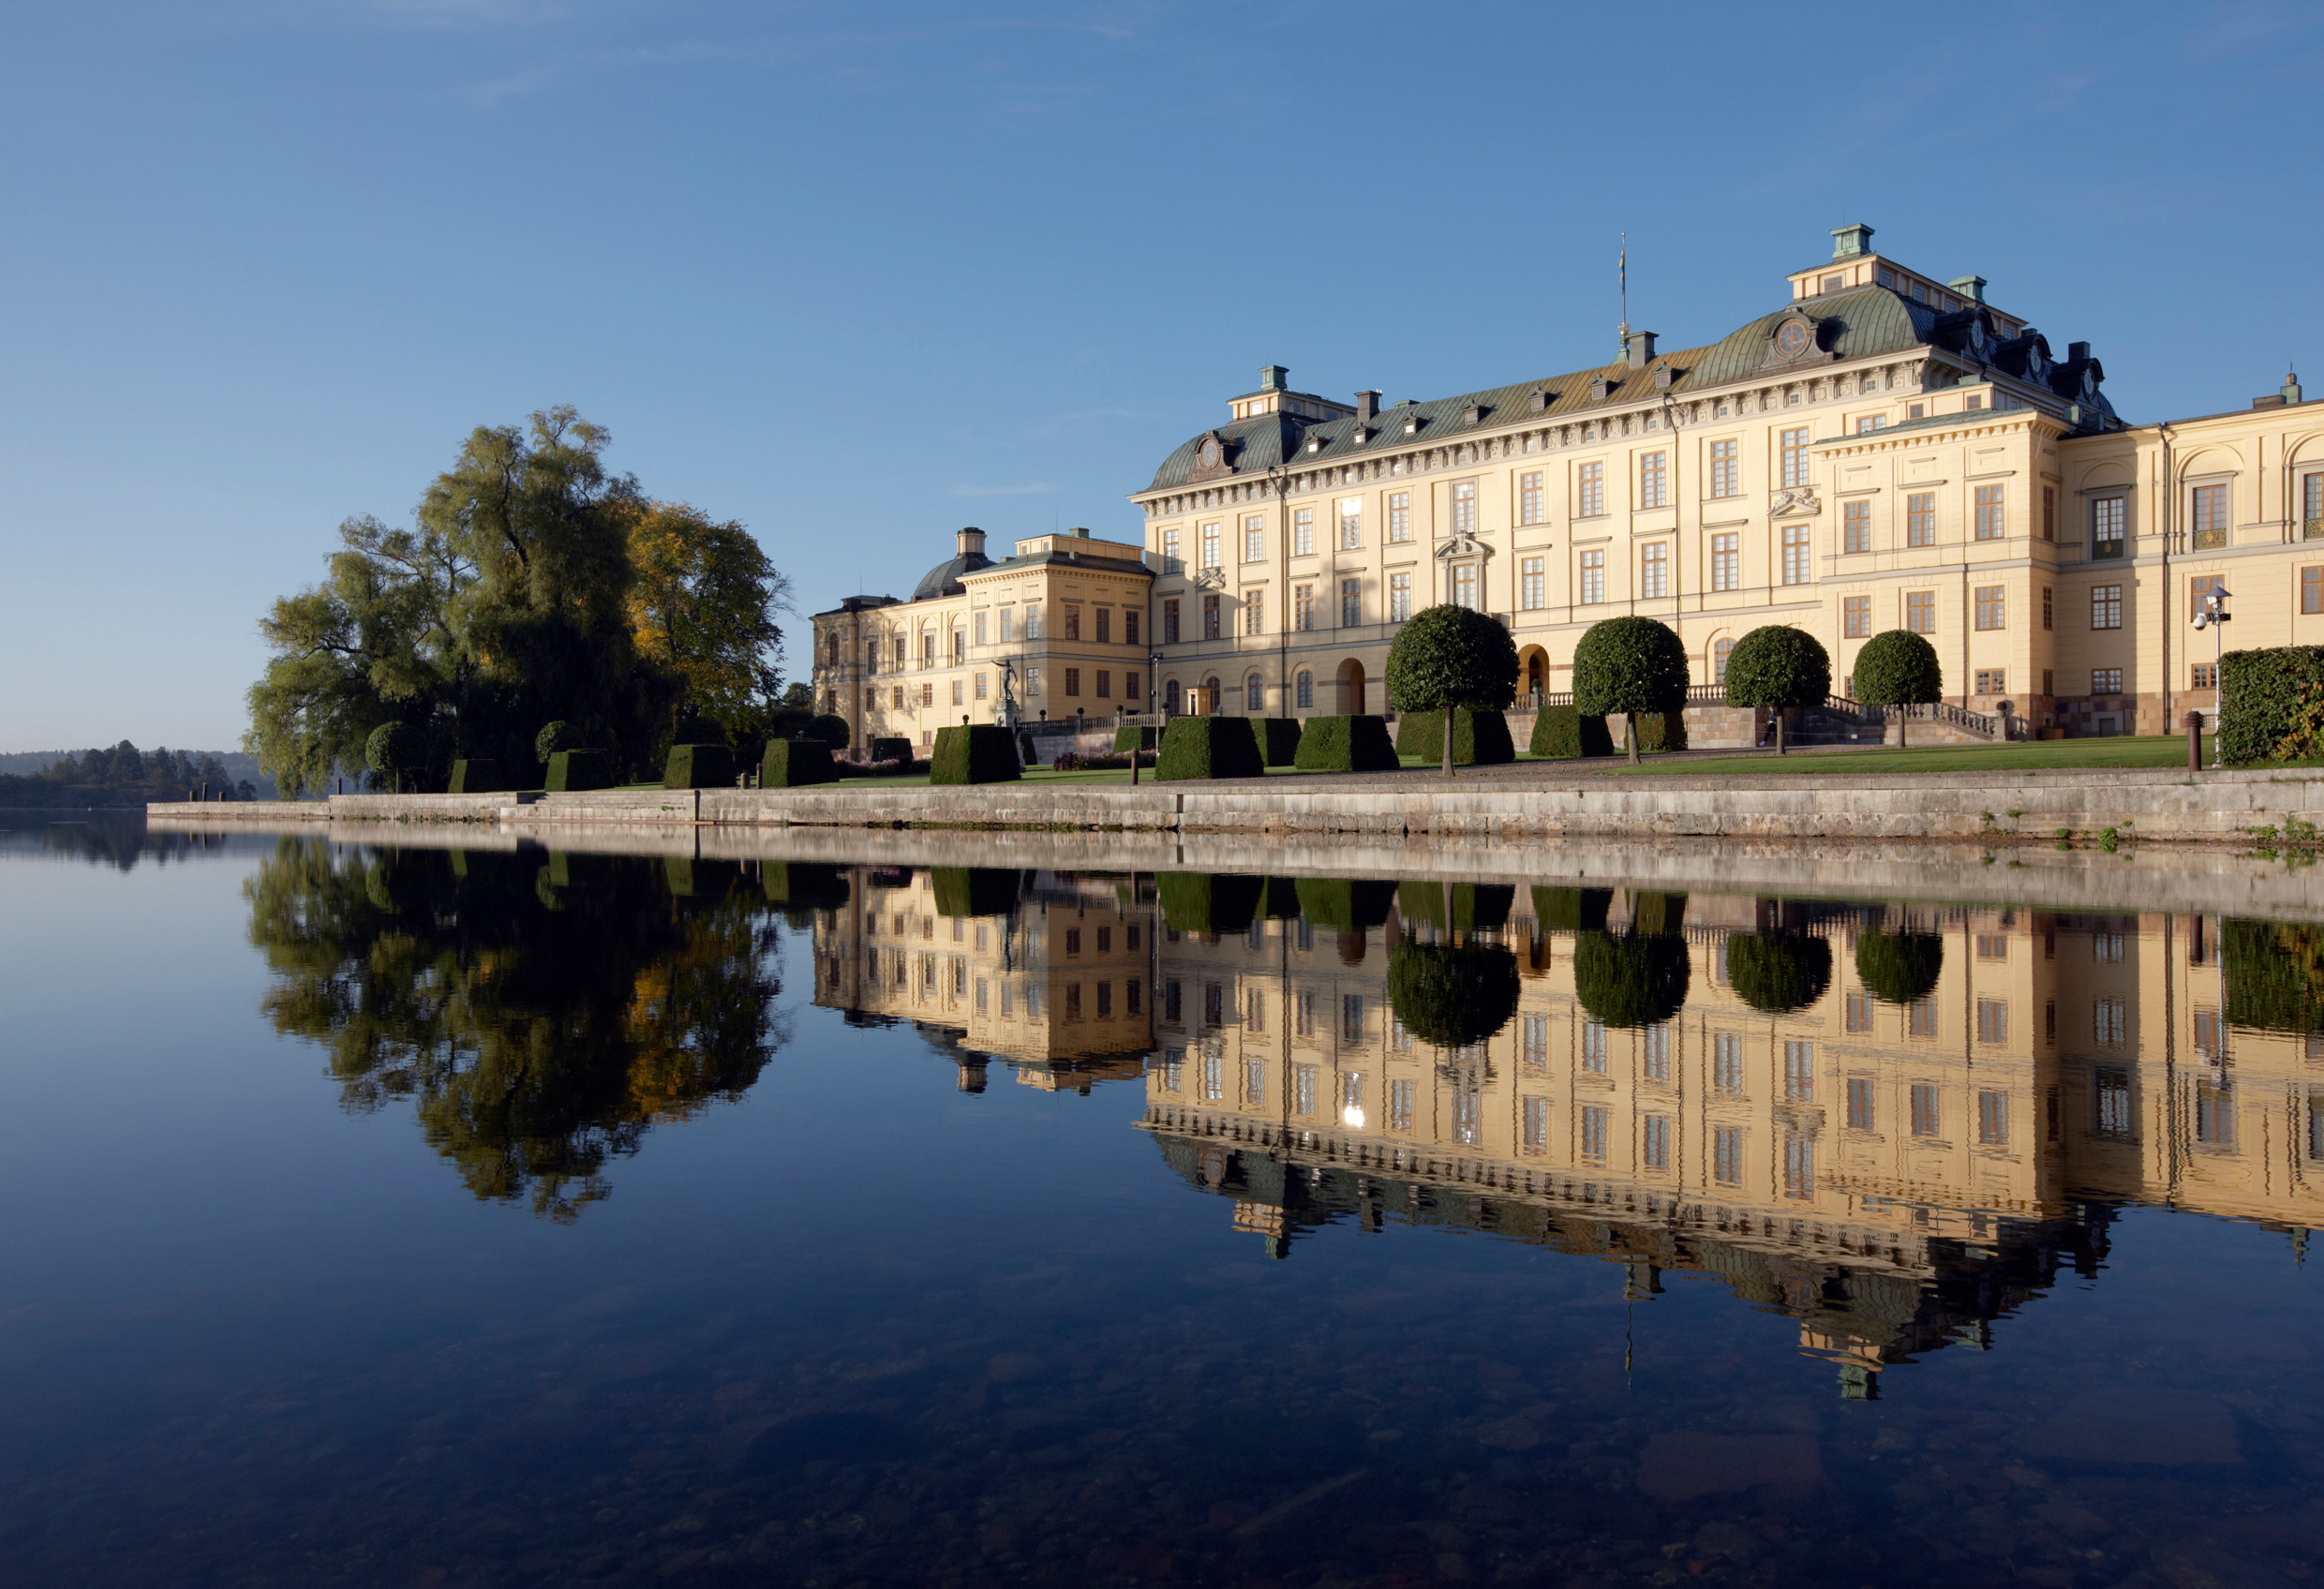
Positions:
(1210, 455)
(1792, 340)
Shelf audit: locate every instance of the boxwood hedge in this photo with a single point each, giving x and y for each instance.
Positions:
(1278, 740)
(1340, 904)
(1216, 903)
(1208, 747)
(699, 766)
(1564, 732)
(974, 753)
(477, 775)
(1346, 744)
(794, 763)
(571, 772)
(1480, 737)
(2273, 703)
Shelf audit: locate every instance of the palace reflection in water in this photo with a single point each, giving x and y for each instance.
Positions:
(1895, 1124)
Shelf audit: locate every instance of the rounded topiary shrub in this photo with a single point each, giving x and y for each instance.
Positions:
(832, 730)
(1899, 968)
(1346, 744)
(1777, 665)
(1899, 668)
(1452, 995)
(553, 738)
(1208, 747)
(1779, 972)
(1631, 979)
(1631, 665)
(398, 752)
(1449, 656)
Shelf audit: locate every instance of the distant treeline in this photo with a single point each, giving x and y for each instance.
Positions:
(123, 774)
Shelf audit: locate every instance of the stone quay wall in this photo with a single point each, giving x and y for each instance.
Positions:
(2143, 804)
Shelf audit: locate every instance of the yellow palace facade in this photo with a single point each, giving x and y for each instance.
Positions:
(1886, 450)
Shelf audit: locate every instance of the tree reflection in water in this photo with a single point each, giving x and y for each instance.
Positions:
(542, 1016)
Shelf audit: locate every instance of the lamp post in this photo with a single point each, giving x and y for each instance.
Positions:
(2213, 614)
(1154, 662)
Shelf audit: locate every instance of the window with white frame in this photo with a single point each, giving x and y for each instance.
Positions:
(1796, 561)
(1727, 561)
(1726, 469)
(1254, 537)
(1351, 524)
(1589, 491)
(1210, 545)
(1399, 516)
(1654, 570)
(1399, 597)
(1530, 594)
(1529, 506)
(1303, 531)
(1654, 479)
(1593, 584)
(1464, 507)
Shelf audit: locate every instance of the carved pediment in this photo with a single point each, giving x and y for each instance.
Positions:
(1798, 502)
(1462, 546)
(1214, 458)
(1208, 579)
(1797, 341)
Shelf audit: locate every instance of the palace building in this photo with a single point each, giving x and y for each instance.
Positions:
(1883, 450)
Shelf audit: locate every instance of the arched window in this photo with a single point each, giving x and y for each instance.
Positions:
(1170, 702)
(1254, 694)
(1211, 697)
(1306, 689)
(1719, 660)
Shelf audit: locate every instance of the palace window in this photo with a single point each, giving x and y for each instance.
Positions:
(1530, 497)
(2049, 512)
(1105, 626)
(1590, 491)
(1105, 684)
(1351, 524)
(1306, 686)
(1465, 587)
(1033, 621)
(1129, 627)
(1169, 622)
(1654, 570)
(2050, 607)
(1992, 607)
(2105, 681)
(1798, 1073)
(959, 687)
(1727, 1156)
(1399, 516)
(1796, 558)
(1727, 1062)
(1856, 531)
(2209, 517)
(1593, 578)
(1536, 1125)
(1795, 458)
(1993, 1111)
(1303, 531)
(1255, 612)
(1073, 620)
(1302, 607)
(1210, 617)
(1253, 537)
(2312, 590)
(1399, 597)
(1726, 563)
(2312, 506)
(2105, 606)
(1210, 545)
(1720, 652)
(1992, 681)
(1920, 611)
(2201, 586)
(928, 694)
(898, 703)
(2204, 675)
(1254, 700)
(1927, 1116)
(2109, 523)
(1861, 1096)
(1654, 479)
(1654, 1142)
(1920, 519)
(1350, 603)
(1073, 682)
(1726, 472)
(1988, 512)
(980, 687)
(1130, 691)
(1856, 616)
(1464, 507)
(1529, 592)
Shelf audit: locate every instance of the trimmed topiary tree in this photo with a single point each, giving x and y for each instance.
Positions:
(795, 764)
(891, 749)
(1418, 900)
(1447, 656)
(1208, 747)
(1629, 665)
(1899, 968)
(1562, 732)
(1346, 744)
(1480, 739)
(573, 772)
(1278, 740)
(1451, 995)
(830, 728)
(699, 766)
(553, 738)
(396, 750)
(974, 753)
(1658, 732)
(1899, 668)
(1133, 736)
(1572, 909)
(476, 775)
(1216, 903)
(1631, 979)
(1779, 972)
(1778, 668)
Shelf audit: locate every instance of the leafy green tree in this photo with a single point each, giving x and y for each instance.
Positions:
(1899, 968)
(1779, 668)
(553, 738)
(1629, 665)
(1452, 994)
(1448, 656)
(702, 605)
(396, 750)
(1778, 972)
(2274, 973)
(1899, 668)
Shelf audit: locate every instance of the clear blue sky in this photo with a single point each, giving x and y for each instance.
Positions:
(857, 275)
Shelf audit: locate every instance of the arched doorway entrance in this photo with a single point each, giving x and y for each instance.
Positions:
(1210, 696)
(1533, 672)
(1351, 688)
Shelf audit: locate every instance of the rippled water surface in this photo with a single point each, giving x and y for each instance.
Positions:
(503, 1216)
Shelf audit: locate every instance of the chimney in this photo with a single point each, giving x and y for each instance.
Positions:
(1638, 349)
(2077, 352)
(1368, 405)
(1081, 532)
(1851, 240)
(1273, 378)
(1969, 287)
(970, 542)
(2291, 386)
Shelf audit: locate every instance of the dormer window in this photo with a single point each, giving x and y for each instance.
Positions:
(1539, 401)
(1599, 389)
(1833, 281)
(1412, 424)
(1315, 444)
(1473, 413)
(1211, 452)
(1360, 436)
(1661, 378)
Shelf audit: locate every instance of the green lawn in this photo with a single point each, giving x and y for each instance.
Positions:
(2124, 751)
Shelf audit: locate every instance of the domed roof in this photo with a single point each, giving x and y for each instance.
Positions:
(944, 578)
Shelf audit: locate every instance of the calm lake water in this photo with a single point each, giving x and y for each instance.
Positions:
(422, 1217)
